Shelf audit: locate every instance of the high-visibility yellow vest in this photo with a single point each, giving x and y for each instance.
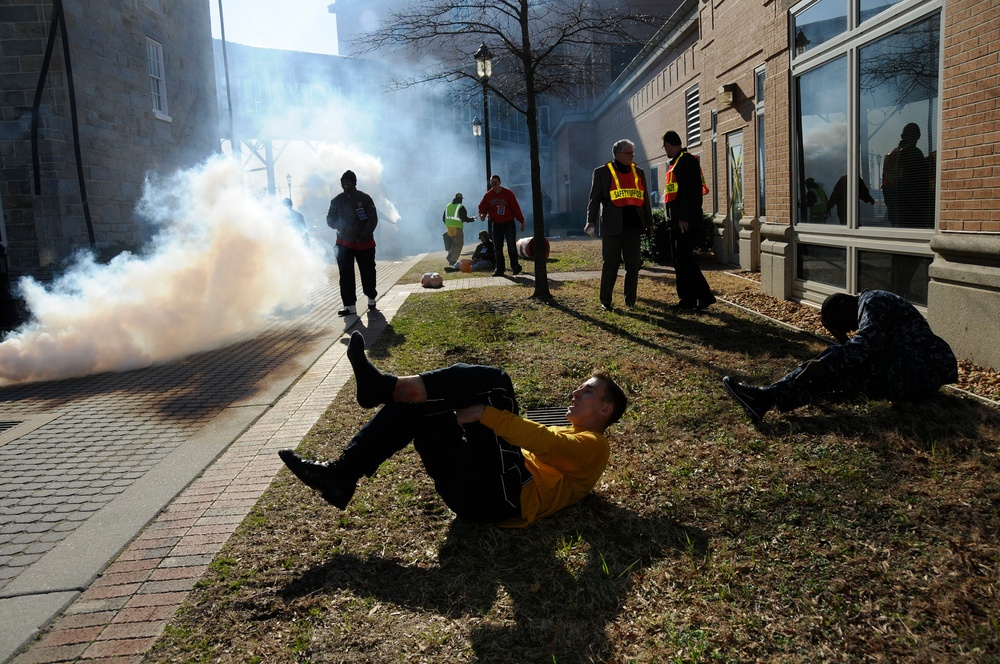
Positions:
(670, 186)
(451, 218)
(632, 194)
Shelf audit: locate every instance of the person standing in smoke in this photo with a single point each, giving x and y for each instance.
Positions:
(352, 214)
(454, 216)
(296, 218)
(500, 205)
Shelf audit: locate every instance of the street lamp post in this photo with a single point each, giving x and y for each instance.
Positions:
(288, 179)
(484, 69)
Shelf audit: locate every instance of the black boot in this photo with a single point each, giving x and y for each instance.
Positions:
(336, 486)
(374, 387)
(756, 401)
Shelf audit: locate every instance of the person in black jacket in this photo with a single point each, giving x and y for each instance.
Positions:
(619, 195)
(682, 193)
(353, 215)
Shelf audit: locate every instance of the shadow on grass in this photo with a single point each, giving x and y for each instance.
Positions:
(701, 328)
(565, 579)
(945, 422)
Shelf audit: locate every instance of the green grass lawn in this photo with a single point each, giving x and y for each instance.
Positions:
(858, 532)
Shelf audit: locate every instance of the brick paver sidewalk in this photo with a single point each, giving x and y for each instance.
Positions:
(88, 485)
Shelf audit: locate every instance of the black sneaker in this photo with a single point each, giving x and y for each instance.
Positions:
(346, 311)
(335, 487)
(451, 268)
(754, 400)
(705, 304)
(498, 273)
(516, 270)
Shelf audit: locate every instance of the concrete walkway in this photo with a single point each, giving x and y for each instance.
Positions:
(119, 489)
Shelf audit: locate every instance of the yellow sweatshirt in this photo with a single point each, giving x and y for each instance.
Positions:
(565, 462)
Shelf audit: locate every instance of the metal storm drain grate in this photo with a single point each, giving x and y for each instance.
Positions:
(7, 425)
(548, 416)
(13, 426)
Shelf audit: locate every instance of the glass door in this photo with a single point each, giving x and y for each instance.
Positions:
(734, 170)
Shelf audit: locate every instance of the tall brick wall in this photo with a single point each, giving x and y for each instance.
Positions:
(970, 128)
(732, 39)
(121, 140)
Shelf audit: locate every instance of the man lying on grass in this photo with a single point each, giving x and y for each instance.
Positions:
(488, 464)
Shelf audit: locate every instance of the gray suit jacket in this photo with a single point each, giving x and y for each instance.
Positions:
(610, 214)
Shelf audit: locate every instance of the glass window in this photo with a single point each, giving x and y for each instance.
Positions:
(157, 84)
(827, 265)
(819, 23)
(821, 100)
(734, 181)
(870, 8)
(714, 118)
(904, 275)
(898, 78)
(759, 140)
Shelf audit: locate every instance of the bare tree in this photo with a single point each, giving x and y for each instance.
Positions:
(541, 47)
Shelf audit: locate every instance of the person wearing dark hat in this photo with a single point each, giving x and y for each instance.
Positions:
(454, 216)
(483, 258)
(683, 191)
(352, 214)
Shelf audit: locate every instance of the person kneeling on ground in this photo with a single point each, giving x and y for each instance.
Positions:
(488, 464)
(894, 355)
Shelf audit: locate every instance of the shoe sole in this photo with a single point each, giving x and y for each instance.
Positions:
(295, 464)
(746, 407)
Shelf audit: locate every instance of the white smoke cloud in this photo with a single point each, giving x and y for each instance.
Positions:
(221, 264)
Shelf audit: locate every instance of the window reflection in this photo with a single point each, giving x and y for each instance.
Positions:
(821, 22)
(870, 8)
(902, 274)
(827, 265)
(898, 124)
(821, 99)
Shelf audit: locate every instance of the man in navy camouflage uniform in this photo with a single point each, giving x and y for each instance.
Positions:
(893, 355)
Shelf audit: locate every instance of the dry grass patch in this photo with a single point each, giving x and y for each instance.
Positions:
(855, 532)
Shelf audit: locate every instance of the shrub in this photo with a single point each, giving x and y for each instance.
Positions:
(656, 247)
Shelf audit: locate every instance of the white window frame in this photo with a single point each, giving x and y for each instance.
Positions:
(155, 66)
(914, 242)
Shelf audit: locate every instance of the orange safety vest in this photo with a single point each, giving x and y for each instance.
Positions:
(670, 186)
(622, 196)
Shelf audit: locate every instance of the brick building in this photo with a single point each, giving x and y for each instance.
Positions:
(141, 100)
(782, 101)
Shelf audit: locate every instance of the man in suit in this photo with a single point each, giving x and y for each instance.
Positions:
(682, 194)
(619, 196)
